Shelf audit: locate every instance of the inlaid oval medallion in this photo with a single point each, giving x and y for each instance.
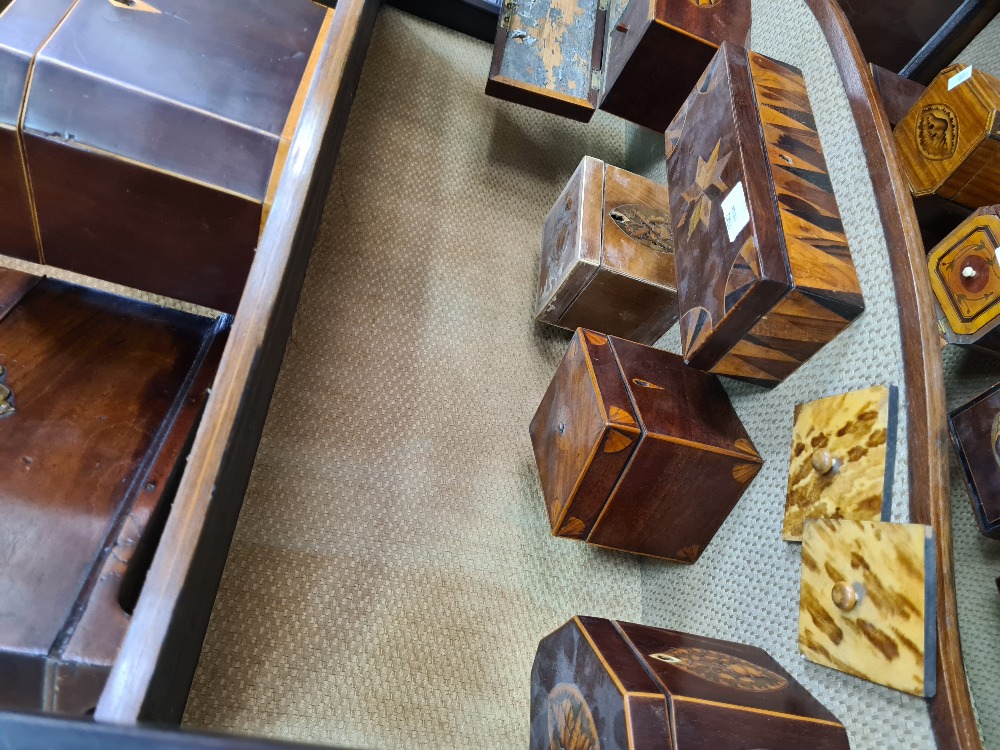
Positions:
(646, 226)
(571, 725)
(723, 669)
(937, 132)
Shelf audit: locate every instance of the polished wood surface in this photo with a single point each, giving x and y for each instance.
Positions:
(951, 710)
(949, 144)
(897, 94)
(762, 289)
(99, 385)
(618, 430)
(658, 49)
(207, 92)
(620, 686)
(867, 603)
(975, 433)
(24, 28)
(607, 259)
(966, 282)
(547, 55)
(842, 459)
(152, 675)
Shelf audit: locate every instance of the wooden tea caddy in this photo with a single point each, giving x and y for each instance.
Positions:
(142, 143)
(764, 274)
(619, 686)
(607, 258)
(617, 433)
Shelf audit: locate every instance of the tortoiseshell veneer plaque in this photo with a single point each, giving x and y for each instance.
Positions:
(868, 602)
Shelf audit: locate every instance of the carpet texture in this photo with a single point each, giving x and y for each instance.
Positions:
(392, 571)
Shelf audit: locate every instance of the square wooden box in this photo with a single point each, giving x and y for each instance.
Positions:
(93, 431)
(949, 141)
(764, 274)
(620, 433)
(607, 258)
(151, 136)
(658, 49)
(975, 432)
(619, 686)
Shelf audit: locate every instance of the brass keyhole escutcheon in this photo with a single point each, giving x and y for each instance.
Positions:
(844, 596)
(823, 462)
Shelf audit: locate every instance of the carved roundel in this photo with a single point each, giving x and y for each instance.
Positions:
(571, 725)
(937, 132)
(723, 669)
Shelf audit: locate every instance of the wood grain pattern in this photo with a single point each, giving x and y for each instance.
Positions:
(547, 54)
(583, 434)
(965, 276)
(950, 140)
(620, 424)
(208, 93)
(888, 635)
(646, 688)
(607, 259)
(975, 431)
(855, 430)
(951, 710)
(741, 313)
(152, 675)
(664, 45)
(93, 418)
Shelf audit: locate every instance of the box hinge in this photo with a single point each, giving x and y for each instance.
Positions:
(508, 12)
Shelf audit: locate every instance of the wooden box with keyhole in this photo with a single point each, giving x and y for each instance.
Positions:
(152, 135)
(620, 433)
(868, 601)
(607, 258)
(598, 683)
(843, 450)
(975, 432)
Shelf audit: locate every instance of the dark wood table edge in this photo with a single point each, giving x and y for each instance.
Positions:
(951, 710)
(156, 665)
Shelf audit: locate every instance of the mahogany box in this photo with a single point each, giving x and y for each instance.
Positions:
(638, 452)
(765, 277)
(966, 282)
(598, 683)
(975, 432)
(658, 49)
(637, 59)
(151, 134)
(99, 399)
(949, 141)
(607, 258)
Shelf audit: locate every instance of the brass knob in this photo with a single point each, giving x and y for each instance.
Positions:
(844, 596)
(823, 462)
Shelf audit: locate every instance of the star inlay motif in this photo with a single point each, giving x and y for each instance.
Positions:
(707, 184)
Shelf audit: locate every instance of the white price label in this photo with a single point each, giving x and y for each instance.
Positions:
(959, 78)
(735, 211)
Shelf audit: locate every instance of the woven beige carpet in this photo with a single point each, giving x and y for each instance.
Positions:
(393, 572)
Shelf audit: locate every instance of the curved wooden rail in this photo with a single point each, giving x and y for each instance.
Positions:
(951, 710)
